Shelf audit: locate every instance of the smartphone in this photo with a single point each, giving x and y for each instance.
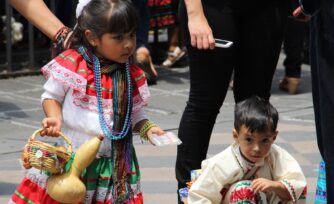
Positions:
(223, 43)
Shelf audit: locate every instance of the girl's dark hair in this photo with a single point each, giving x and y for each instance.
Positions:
(104, 16)
(257, 114)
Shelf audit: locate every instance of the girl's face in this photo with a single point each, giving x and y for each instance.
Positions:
(254, 146)
(117, 47)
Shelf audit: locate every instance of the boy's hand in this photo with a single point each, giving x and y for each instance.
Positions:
(154, 131)
(51, 126)
(264, 185)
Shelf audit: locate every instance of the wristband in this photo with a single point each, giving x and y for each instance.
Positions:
(147, 125)
(59, 39)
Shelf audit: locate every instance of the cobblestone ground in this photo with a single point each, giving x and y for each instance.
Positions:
(21, 113)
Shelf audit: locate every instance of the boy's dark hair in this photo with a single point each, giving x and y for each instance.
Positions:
(104, 16)
(257, 114)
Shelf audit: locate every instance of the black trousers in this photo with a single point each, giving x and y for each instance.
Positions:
(256, 31)
(322, 69)
(294, 39)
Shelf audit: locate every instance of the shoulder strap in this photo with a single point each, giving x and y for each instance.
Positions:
(250, 173)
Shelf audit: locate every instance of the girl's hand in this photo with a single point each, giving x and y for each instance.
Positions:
(51, 127)
(200, 32)
(154, 131)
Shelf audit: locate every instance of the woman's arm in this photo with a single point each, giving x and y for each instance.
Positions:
(39, 15)
(199, 29)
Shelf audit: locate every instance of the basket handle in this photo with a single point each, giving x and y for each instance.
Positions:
(67, 140)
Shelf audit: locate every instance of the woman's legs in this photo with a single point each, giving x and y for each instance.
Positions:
(261, 33)
(210, 72)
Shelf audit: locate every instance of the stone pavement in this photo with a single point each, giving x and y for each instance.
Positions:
(21, 114)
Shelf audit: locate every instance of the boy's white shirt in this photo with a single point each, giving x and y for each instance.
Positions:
(228, 167)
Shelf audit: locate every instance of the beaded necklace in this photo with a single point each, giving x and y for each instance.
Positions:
(108, 131)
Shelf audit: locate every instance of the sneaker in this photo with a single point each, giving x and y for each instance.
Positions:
(290, 84)
(173, 57)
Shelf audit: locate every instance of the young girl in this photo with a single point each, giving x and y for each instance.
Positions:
(92, 89)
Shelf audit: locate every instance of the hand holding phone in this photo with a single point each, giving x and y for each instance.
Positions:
(223, 43)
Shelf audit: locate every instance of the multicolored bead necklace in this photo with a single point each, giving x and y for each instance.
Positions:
(107, 130)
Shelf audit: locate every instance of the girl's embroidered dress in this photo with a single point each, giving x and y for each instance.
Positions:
(70, 81)
(223, 175)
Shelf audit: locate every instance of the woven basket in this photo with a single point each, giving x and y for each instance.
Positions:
(46, 157)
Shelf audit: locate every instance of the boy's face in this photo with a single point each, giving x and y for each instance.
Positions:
(254, 146)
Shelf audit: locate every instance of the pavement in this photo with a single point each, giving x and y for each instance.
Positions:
(21, 114)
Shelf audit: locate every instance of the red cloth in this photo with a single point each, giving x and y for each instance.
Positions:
(74, 62)
(28, 191)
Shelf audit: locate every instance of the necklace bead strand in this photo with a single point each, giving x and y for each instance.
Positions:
(108, 131)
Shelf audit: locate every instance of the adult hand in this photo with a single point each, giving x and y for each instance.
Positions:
(200, 33)
(299, 15)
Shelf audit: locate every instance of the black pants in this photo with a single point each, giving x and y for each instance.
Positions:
(294, 39)
(144, 23)
(256, 31)
(322, 67)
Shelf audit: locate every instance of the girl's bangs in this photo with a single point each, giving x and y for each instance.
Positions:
(123, 19)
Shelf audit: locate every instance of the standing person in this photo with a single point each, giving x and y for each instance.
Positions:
(294, 39)
(91, 89)
(175, 49)
(255, 164)
(175, 42)
(256, 30)
(143, 56)
(164, 16)
(322, 64)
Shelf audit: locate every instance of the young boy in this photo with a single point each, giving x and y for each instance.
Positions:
(253, 169)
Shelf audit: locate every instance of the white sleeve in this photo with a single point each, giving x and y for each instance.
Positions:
(138, 116)
(54, 89)
(215, 175)
(206, 189)
(289, 173)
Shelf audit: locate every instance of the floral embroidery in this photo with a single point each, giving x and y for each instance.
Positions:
(243, 195)
(80, 86)
(65, 76)
(89, 103)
